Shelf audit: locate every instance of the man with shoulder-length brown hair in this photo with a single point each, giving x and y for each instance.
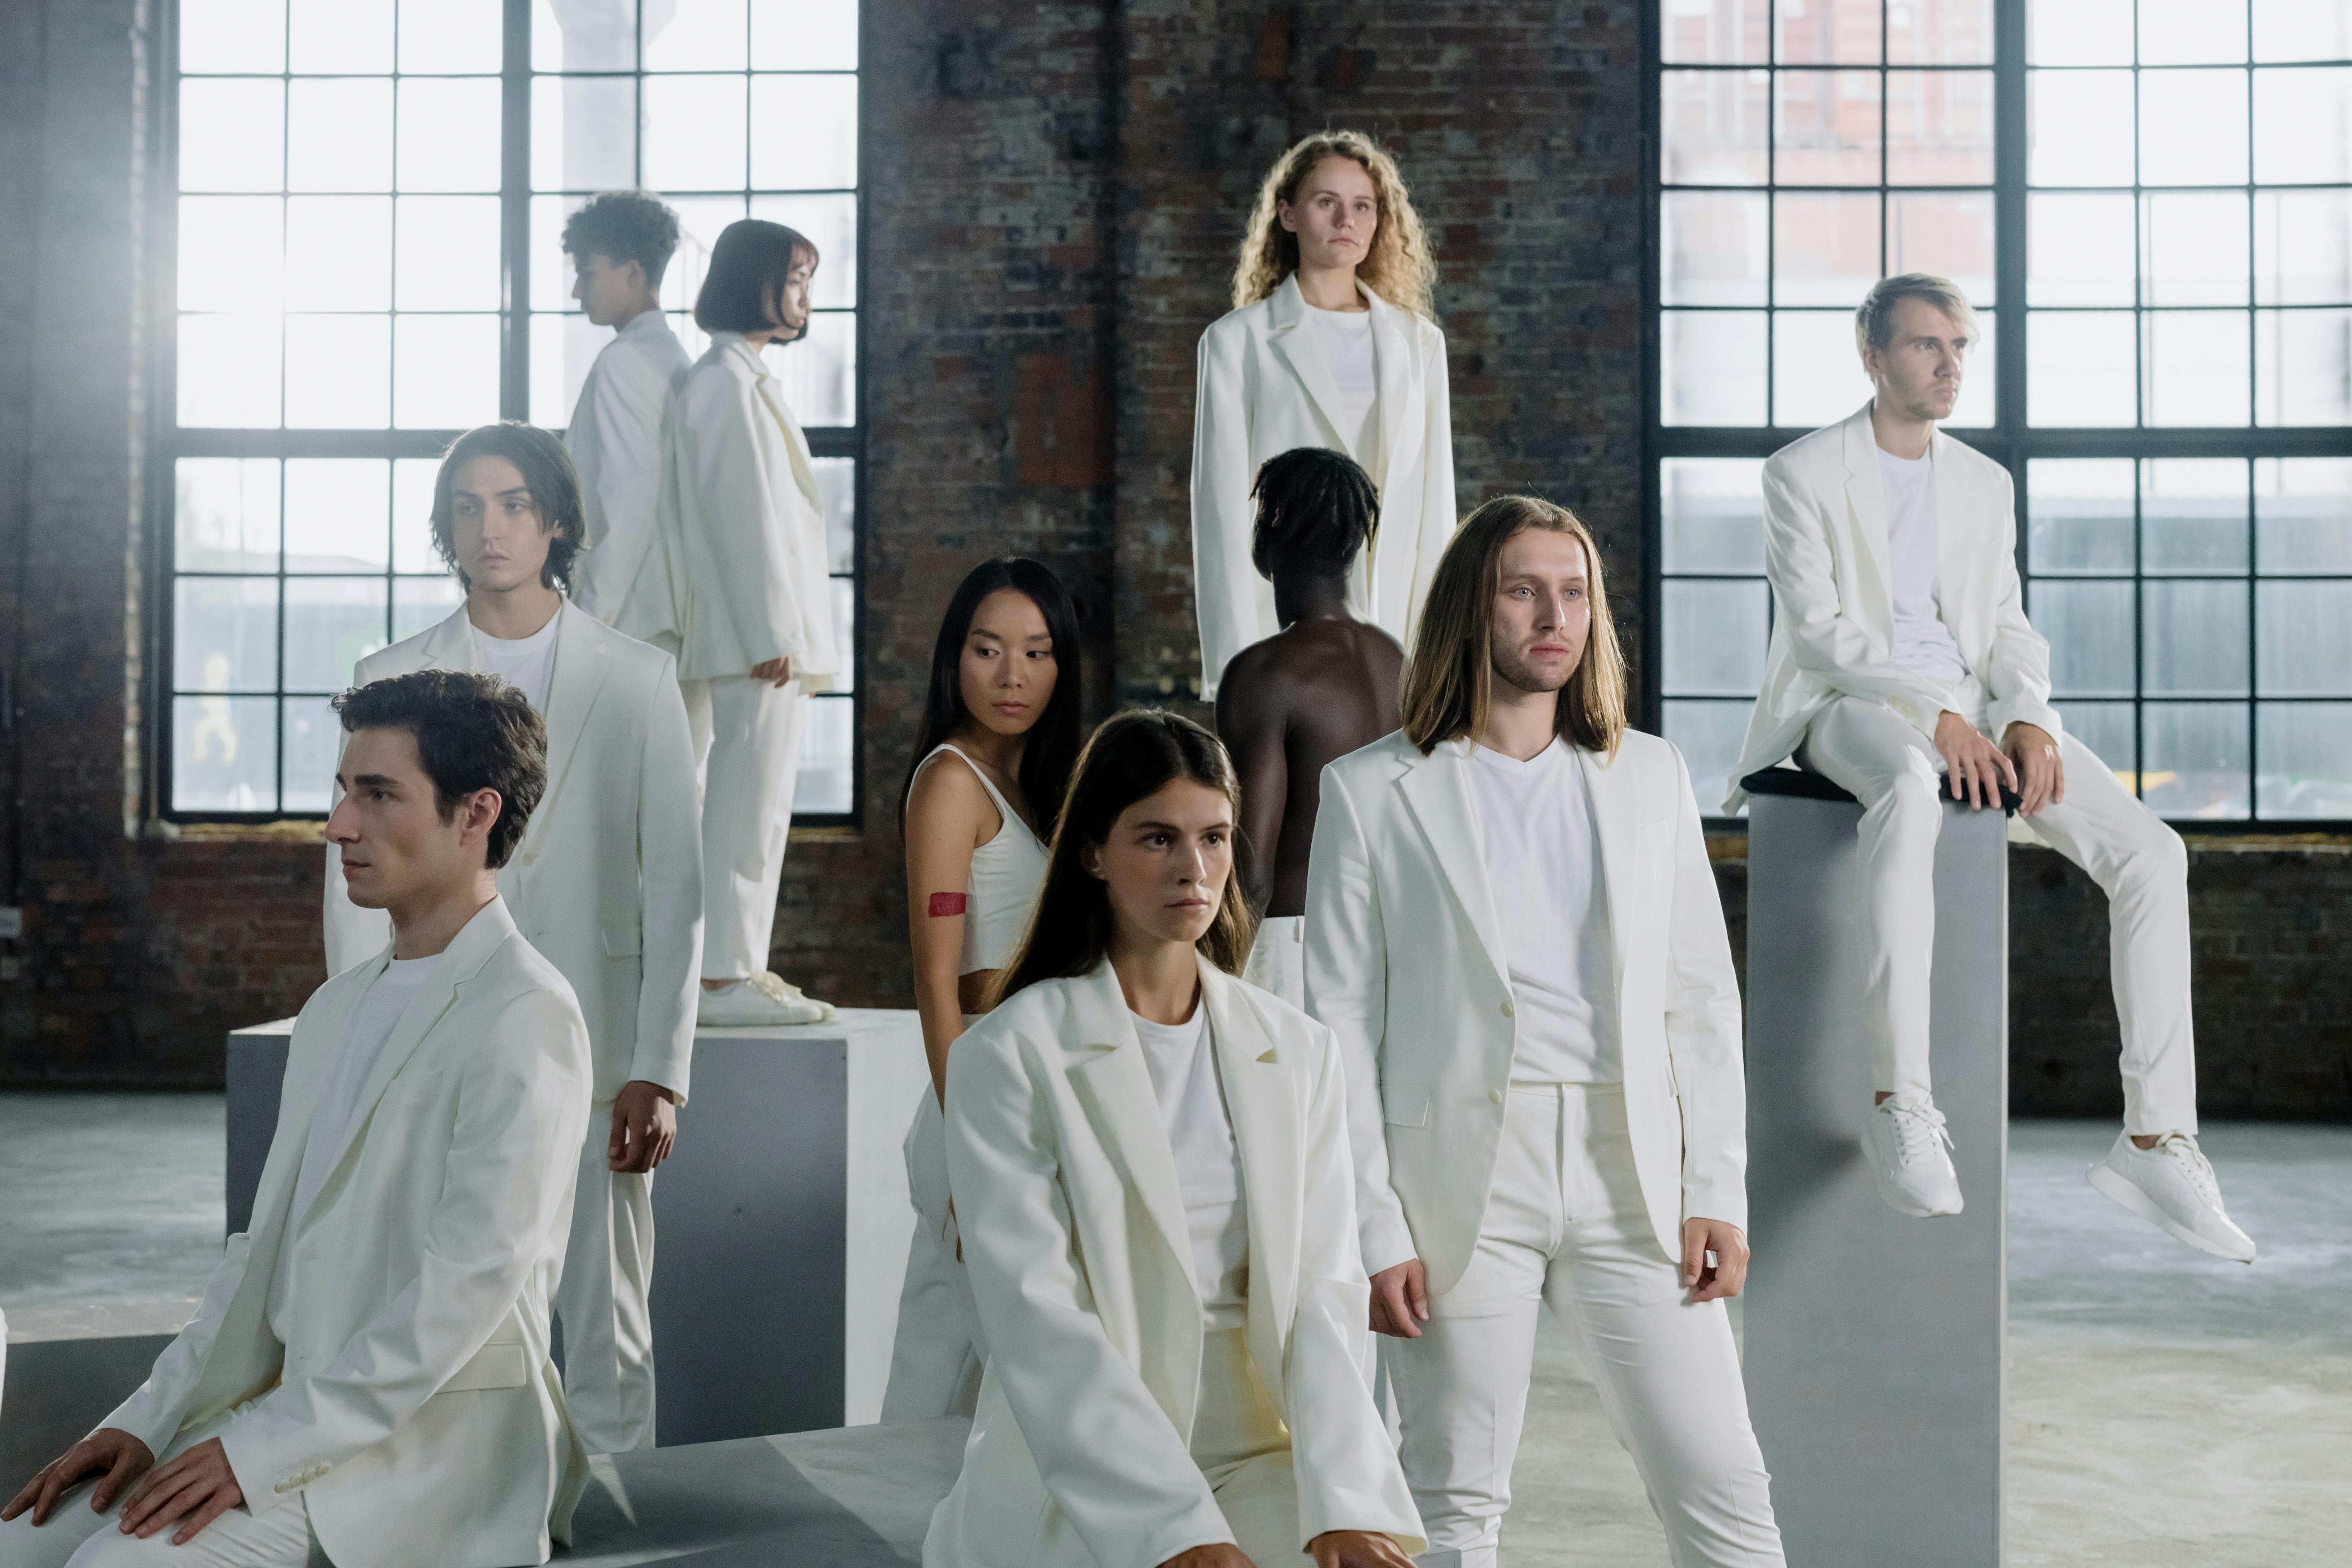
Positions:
(1512, 929)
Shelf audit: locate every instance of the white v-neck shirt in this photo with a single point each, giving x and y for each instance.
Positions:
(374, 1018)
(525, 663)
(1543, 863)
(1182, 1060)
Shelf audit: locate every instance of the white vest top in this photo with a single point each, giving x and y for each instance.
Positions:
(1007, 873)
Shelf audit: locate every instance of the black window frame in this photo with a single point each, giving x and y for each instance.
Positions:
(166, 443)
(2009, 440)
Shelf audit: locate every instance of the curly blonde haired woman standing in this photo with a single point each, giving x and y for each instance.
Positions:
(1329, 344)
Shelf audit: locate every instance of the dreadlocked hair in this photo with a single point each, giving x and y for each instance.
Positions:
(1316, 510)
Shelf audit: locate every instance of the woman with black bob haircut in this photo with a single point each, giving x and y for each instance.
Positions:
(745, 600)
(1000, 734)
(745, 287)
(547, 472)
(1156, 1209)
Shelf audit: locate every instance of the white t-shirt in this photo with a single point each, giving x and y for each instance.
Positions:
(526, 663)
(1183, 1067)
(1923, 643)
(365, 1034)
(1344, 338)
(1543, 862)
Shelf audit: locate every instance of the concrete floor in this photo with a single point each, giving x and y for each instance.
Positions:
(2167, 1408)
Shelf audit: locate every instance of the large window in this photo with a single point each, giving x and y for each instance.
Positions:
(371, 196)
(2160, 195)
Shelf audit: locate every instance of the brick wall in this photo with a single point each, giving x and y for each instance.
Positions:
(1055, 194)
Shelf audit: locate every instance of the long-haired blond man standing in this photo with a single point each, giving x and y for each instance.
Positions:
(1512, 928)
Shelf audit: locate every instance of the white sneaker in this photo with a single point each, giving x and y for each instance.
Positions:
(764, 1000)
(827, 1009)
(1907, 1145)
(2172, 1187)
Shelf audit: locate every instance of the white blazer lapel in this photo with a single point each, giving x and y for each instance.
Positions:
(1865, 496)
(1616, 813)
(1287, 310)
(796, 443)
(1957, 552)
(305, 1071)
(1392, 366)
(582, 663)
(1261, 1098)
(1439, 797)
(460, 962)
(1115, 1088)
(450, 645)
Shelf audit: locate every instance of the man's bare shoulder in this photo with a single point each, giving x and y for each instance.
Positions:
(1304, 661)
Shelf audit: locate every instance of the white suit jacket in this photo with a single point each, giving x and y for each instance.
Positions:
(614, 439)
(1073, 1231)
(607, 881)
(742, 529)
(1405, 961)
(1265, 389)
(1826, 553)
(414, 1405)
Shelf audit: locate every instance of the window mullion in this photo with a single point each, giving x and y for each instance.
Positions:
(514, 214)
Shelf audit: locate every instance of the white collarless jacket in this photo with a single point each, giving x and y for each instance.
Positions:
(1073, 1231)
(1405, 961)
(607, 881)
(1826, 553)
(614, 439)
(742, 529)
(412, 1404)
(1265, 389)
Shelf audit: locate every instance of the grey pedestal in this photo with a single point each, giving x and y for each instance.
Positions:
(815, 1500)
(781, 1222)
(1873, 1344)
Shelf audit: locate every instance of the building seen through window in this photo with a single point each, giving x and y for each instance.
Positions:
(362, 186)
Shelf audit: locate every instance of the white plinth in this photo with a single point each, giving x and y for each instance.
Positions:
(781, 1223)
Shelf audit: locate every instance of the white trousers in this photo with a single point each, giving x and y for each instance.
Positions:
(1277, 960)
(602, 1300)
(1565, 1224)
(2137, 861)
(1243, 1452)
(76, 1536)
(938, 1353)
(746, 756)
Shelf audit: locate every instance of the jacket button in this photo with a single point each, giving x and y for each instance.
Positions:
(1507, 1010)
(1495, 1095)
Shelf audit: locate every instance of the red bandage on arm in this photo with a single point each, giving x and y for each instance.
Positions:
(947, 904)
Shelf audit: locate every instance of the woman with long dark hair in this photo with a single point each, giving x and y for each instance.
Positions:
(1000, 734)
(1149, 1159)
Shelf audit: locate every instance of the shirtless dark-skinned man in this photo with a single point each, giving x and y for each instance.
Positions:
(1322, 686)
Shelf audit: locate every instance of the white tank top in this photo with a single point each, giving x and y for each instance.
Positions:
(1007, 874)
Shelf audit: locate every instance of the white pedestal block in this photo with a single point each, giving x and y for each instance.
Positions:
(781, 1223)
(1872, 1342)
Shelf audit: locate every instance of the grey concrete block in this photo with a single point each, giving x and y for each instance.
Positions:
(847, 1498)
(55, 1391)
(780, 1224)
(1873, 1342)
